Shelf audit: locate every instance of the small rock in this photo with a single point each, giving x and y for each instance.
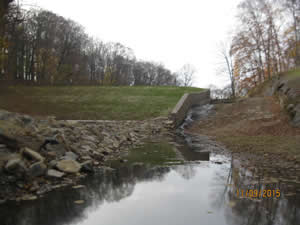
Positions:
(52, 163)
(79, 201)
(32, 154)
(8, 140)
(57, 186)
(98, 156)
(70, 155)
(15, 166)
(44, 189)
(105, 152)
(87, 167)
(290, 107)
(90, 138)
(123, 160)
(68, 166)
(37, 169)
(59, 149)
(78, 186)
(51, 154)
(55, 173)
(86, 148)
(26, 119)
(29, 197)
(86, 157)
(35, 186)
(20, 184)
(168, 122)
(116, 144)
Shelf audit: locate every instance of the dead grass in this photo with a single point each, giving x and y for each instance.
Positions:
(255, 125)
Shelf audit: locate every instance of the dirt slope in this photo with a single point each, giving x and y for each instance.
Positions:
(256, 129)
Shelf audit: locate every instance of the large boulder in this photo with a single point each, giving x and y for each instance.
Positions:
(296, 118)
(68, 166)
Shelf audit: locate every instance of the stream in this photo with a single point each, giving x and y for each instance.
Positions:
(202, 187)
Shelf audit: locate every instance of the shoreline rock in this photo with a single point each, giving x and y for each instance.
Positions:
(44, 154)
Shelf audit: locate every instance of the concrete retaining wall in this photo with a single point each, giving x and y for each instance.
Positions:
(186, 102)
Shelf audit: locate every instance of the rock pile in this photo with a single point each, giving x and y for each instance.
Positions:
(38, 155)
(288, 96)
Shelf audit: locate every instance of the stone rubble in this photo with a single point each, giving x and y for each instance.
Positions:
(38, 155)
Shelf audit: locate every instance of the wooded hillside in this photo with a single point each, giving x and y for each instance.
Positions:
(265, 42)
(41, 47)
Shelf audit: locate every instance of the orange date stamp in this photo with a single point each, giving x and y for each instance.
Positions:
(256, 193)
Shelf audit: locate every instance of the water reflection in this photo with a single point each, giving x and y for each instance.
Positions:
(132, 195)
(261, 211)
(202, 193)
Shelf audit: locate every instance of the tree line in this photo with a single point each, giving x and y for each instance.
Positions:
(40, 47)
(265, 42)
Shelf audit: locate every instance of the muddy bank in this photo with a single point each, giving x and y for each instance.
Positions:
(38, 155)
(257, 132)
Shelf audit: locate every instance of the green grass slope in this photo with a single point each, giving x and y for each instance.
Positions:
(93, 103)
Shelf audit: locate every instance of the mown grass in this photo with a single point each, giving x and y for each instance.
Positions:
(91, 102)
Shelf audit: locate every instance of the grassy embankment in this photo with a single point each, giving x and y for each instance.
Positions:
(92, 103)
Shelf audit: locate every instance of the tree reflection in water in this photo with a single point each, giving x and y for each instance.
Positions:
(257, 211)
(58, 207)
(201, 186)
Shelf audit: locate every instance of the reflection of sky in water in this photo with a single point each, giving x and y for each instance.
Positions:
(175, 200)
(186, 194)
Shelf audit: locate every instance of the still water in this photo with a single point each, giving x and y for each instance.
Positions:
(194, 193)
(201, 190)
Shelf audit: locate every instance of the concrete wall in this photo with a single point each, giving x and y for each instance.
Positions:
(178, 114)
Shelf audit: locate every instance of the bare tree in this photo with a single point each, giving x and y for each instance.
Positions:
(226, 67)
(187, 75)
(45, 48)
(293, 8)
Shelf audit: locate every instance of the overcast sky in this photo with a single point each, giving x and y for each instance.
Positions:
(173, 32)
